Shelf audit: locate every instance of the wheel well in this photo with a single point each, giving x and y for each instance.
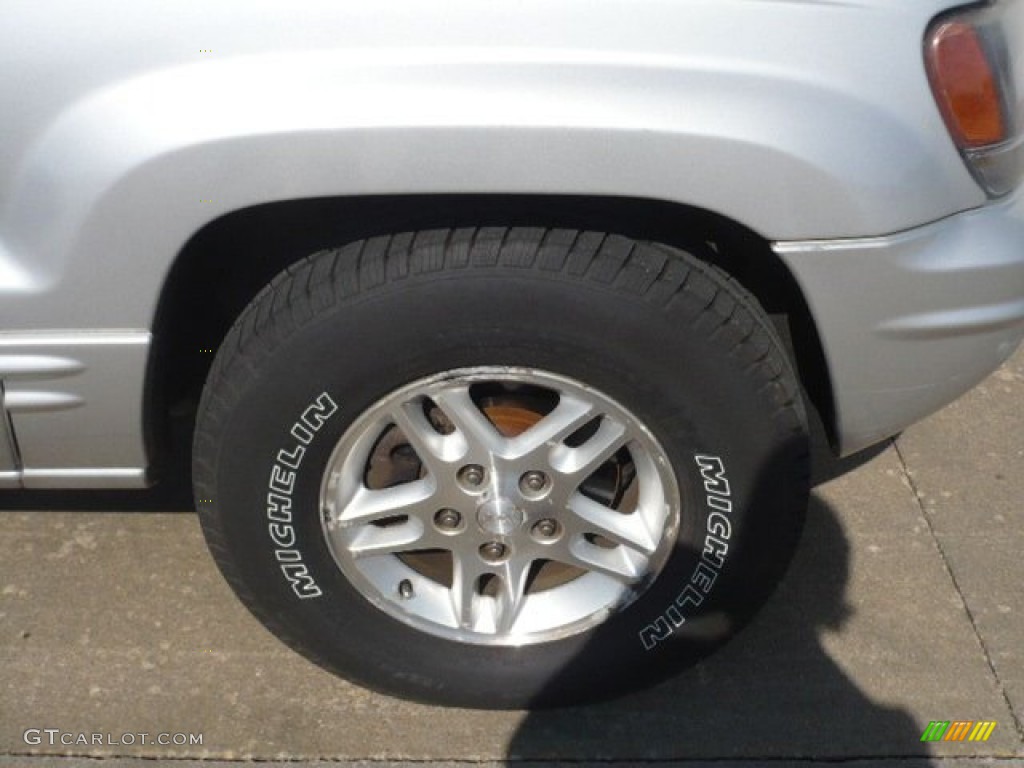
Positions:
(226, 263)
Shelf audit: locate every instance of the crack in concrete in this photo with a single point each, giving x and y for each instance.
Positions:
(947, 566)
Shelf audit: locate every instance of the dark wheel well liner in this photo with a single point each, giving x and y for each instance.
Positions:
(226, 263)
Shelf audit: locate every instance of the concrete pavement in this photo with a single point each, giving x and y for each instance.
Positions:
(904, 605)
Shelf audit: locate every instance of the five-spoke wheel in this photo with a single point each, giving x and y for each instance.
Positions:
(502, 467)
(499, 505)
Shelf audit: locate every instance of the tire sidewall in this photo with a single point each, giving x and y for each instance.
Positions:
(732, 457)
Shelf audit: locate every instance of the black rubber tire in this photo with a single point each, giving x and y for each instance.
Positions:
(675, 340)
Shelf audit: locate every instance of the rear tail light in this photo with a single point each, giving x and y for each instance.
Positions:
(970, 67)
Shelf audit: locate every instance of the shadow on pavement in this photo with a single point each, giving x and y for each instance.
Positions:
(772, 693)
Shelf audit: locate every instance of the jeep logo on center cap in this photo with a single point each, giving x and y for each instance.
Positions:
(499, 517)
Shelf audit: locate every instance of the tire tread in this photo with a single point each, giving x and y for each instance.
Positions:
(703, 296)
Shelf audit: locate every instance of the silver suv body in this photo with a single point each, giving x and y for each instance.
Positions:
(481, 309)
(811, 124)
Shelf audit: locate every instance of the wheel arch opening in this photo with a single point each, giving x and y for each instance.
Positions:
(222, 267)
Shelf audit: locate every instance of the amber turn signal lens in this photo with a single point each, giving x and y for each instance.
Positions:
(965, 86)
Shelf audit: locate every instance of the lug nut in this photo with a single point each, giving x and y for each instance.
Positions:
(533, 482)
(405, 590)
(493, 551)
(447, 519)
(472, 475)
(545, 529)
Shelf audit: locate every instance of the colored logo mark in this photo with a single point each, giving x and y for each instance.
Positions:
(958, 730)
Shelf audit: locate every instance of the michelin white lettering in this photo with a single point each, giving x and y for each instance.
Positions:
(282, 535)
(279, 508)
(281, 485)
(718, 499)
(293, 459)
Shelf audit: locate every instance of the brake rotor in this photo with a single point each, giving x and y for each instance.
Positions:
(511, 419)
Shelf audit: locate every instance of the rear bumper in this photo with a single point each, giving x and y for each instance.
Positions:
(911, 321)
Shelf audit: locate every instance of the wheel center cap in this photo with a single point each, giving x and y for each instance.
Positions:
(499, 516)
